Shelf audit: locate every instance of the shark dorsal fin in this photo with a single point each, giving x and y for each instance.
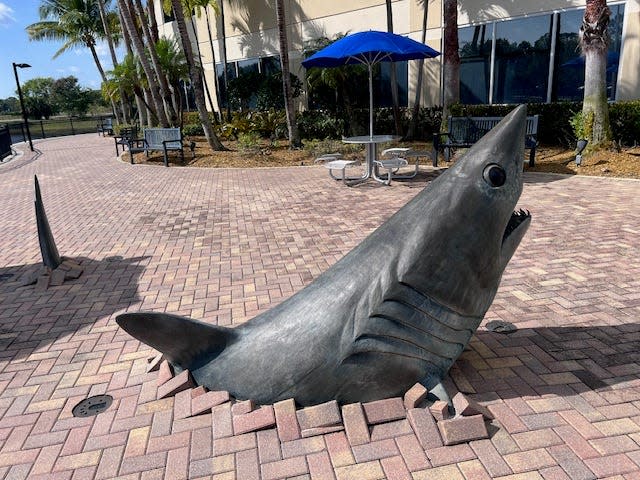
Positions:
(182, 340)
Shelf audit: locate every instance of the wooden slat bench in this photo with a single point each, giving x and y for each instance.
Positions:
(159, 139)
(463, 132)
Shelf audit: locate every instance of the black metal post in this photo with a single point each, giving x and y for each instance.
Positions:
(24, 112)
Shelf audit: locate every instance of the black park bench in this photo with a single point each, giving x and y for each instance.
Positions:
(463, 132)
(159, 139)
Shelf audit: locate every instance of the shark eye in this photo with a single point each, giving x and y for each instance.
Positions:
(494, 175)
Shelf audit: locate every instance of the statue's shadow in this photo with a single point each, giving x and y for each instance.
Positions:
(33, 319)
(562, 361)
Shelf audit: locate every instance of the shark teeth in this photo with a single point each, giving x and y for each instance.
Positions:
(516, 219)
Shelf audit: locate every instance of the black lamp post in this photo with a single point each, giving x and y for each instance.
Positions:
(24, 112)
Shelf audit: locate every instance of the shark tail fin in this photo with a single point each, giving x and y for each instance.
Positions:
(182, 340)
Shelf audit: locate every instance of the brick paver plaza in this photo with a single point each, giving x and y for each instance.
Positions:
(223, 245)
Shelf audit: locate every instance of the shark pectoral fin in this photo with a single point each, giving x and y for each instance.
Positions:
(182, 340)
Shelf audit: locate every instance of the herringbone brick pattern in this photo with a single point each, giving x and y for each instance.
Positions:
(223, 245)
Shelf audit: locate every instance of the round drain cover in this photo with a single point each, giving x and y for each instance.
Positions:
(92, 406)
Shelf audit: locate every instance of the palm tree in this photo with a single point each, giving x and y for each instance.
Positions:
(195, 77)
(128, 18)
(173, 63)
(294, 135)
(74, 22)
(451, 68)
(594, 43)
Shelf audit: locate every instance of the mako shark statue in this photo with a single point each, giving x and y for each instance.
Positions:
(398, 309)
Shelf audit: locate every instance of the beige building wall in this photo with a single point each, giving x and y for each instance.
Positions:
(251, 31)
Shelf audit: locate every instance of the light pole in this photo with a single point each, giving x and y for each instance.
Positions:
(24, 112)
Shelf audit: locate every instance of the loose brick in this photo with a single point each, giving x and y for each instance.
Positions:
(386, 410)
(153, 364)
(256, 420)
(323, 415)
(165, 373)
(242, 407)
(180, 382)
(425, 428)
(467, 407)
(221, 421)
(440, 410)
(355, 424)
(205, 402)
(312, 432)
(463, 429)
(199, 390)
(287, 420)
(57, 278)
(415, 396)
(182, 404)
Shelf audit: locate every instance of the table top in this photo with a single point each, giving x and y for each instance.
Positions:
(371, 139)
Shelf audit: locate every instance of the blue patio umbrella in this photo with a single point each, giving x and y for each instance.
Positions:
(369, 48)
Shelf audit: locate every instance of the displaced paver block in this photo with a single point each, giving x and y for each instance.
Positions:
(177, 384)
(200, 390)
(355, 424)
(165, 373)
(153, 363)
(440, 410)
(463, 429)
(386, 410)
(259, 419)
(204, 403)
(57, 277)
(242, 407)
(287, 420)
(424, 426)
(415, 395)
(312, 432)
(323, 415)
(468, 407)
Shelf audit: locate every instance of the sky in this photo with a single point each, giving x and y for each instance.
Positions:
(15, 46)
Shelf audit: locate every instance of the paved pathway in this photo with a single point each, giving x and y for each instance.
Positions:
(223, 245)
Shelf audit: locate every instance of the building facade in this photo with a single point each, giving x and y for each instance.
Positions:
(512, 51)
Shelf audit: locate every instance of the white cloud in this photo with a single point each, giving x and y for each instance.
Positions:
(74, 69)
(6, 14)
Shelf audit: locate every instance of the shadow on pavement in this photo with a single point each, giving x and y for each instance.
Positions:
(33, 320)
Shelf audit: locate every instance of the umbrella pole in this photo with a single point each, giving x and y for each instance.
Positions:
(370, 102)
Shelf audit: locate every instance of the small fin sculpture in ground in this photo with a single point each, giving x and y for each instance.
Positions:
(398, 309)
(56, 269)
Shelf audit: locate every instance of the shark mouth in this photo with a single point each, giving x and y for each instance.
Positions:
(517, 218)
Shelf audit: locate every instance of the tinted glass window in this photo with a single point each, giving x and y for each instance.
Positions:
(475, 63)
(522, 60)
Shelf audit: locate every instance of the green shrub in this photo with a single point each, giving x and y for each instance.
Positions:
(249, 142)
(625, 122)
(319, 124)
(193, 130)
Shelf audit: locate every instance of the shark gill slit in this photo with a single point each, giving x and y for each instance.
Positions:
(387, 352)
(380, 337)
(424, 332)
(442, 307)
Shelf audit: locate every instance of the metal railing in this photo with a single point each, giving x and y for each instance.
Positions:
(53, 128)
(5, 141)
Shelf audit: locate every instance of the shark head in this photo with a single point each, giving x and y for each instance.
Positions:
(470, 229)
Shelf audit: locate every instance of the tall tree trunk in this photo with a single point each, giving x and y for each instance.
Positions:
(94, 54)
(196, 78)
(153, 24)
(294, 135)
(154, 89)
(394, 78)
(415, 111)
(223, 54)
(451, 68)
(165, 90)
(216, 84)
(199, 62)
(114, 58)
(594, 42)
